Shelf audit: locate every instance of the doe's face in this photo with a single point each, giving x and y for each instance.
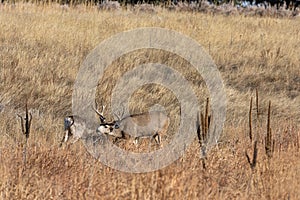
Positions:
(68, 122)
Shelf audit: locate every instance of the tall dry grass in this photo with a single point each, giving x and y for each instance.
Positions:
(42, 48)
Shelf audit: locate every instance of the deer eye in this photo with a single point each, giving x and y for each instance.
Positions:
(117, 126)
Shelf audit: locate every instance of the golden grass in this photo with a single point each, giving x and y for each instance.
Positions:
(42, 48)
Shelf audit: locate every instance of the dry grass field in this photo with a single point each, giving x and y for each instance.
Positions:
(41, 51)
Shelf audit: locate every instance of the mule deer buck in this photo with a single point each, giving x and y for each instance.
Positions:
(143, 125)
(75, 126)
(106, 127)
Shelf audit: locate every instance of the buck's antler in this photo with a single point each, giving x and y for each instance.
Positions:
(100, 114)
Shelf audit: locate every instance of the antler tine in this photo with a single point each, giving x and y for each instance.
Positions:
(100, 114)
(96, 110)
(103, 108)
(117, 116)
(96, 105)
(123, 110)
(120, 113)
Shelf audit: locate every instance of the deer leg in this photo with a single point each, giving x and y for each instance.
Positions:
(65, 139)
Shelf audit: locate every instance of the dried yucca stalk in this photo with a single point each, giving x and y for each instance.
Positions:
(254, 157)
(257, 115)
(203, 124)
(207, 117)
(25, 127)
(250, 120)
(251, 136)
(255, 151)
(298, 141)
(269, 141)
(257, 106)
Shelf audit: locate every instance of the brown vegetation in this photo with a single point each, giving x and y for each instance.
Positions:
(41, 49)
